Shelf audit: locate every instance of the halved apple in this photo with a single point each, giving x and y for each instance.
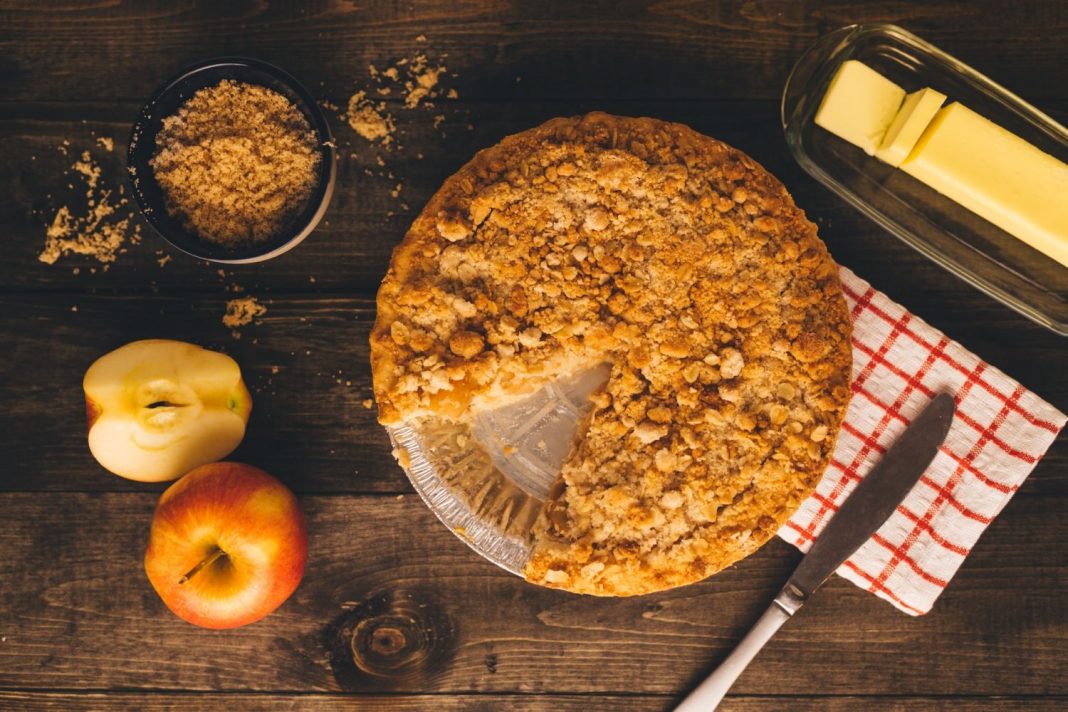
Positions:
(158, 408)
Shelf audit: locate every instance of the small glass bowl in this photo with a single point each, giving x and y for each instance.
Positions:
(166, 101)
(975, 250)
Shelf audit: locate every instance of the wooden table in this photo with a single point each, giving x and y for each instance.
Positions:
(395, 612)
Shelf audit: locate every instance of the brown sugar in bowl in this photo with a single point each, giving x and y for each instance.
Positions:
(166, 102)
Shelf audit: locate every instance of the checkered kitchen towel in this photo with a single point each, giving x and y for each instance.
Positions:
(999, 432)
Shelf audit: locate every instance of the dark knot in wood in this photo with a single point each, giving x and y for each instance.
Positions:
(383, 644)
(391, 636)
(385, 641)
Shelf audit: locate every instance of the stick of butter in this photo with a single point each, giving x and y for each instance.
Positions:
(997, 175)
(859, 106)
(915, 114)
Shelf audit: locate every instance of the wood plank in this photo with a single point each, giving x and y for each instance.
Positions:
(76, 613)
(306, 362)
(676, 49)
(151, 701)
(80, 627)
(351, 248)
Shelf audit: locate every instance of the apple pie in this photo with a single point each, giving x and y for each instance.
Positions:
(684, 266)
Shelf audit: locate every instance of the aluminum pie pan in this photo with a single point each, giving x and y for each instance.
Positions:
(487, 480)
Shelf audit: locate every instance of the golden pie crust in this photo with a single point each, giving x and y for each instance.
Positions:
(687, 267)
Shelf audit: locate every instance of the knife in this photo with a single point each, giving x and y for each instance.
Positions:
(860, 516)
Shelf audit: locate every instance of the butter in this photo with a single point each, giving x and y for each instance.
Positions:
(859, 106)
(915, 114)
(996, 175)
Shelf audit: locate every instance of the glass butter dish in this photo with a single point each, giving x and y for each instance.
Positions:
(977, 251)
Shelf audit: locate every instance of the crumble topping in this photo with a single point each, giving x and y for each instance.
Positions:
(684, 265)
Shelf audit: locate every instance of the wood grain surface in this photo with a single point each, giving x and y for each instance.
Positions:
(80, 615)
(395, 613)
(153, 701)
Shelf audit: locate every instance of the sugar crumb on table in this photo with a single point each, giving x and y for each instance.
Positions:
(370, 119)
(98, 225)
(240, 312)
(415, 80)
(423, 79)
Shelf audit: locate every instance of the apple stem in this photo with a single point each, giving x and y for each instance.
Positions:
(206, 561)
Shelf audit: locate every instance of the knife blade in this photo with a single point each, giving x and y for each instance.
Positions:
(876, 497)
(860, 516)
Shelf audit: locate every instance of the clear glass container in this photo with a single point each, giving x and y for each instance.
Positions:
(989, 258)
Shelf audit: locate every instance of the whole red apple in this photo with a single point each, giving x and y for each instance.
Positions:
(227, 546)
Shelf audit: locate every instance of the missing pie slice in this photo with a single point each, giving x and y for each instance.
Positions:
(687, 268)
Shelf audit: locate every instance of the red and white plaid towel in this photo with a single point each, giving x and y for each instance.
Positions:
(1000, 431)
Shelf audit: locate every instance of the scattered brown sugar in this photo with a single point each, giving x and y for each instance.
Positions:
(91, 170)
(101, 229)
(240, 312)
(96, 234)
(422, 84)
(416, 81)
(236, 163)
(370, 119)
